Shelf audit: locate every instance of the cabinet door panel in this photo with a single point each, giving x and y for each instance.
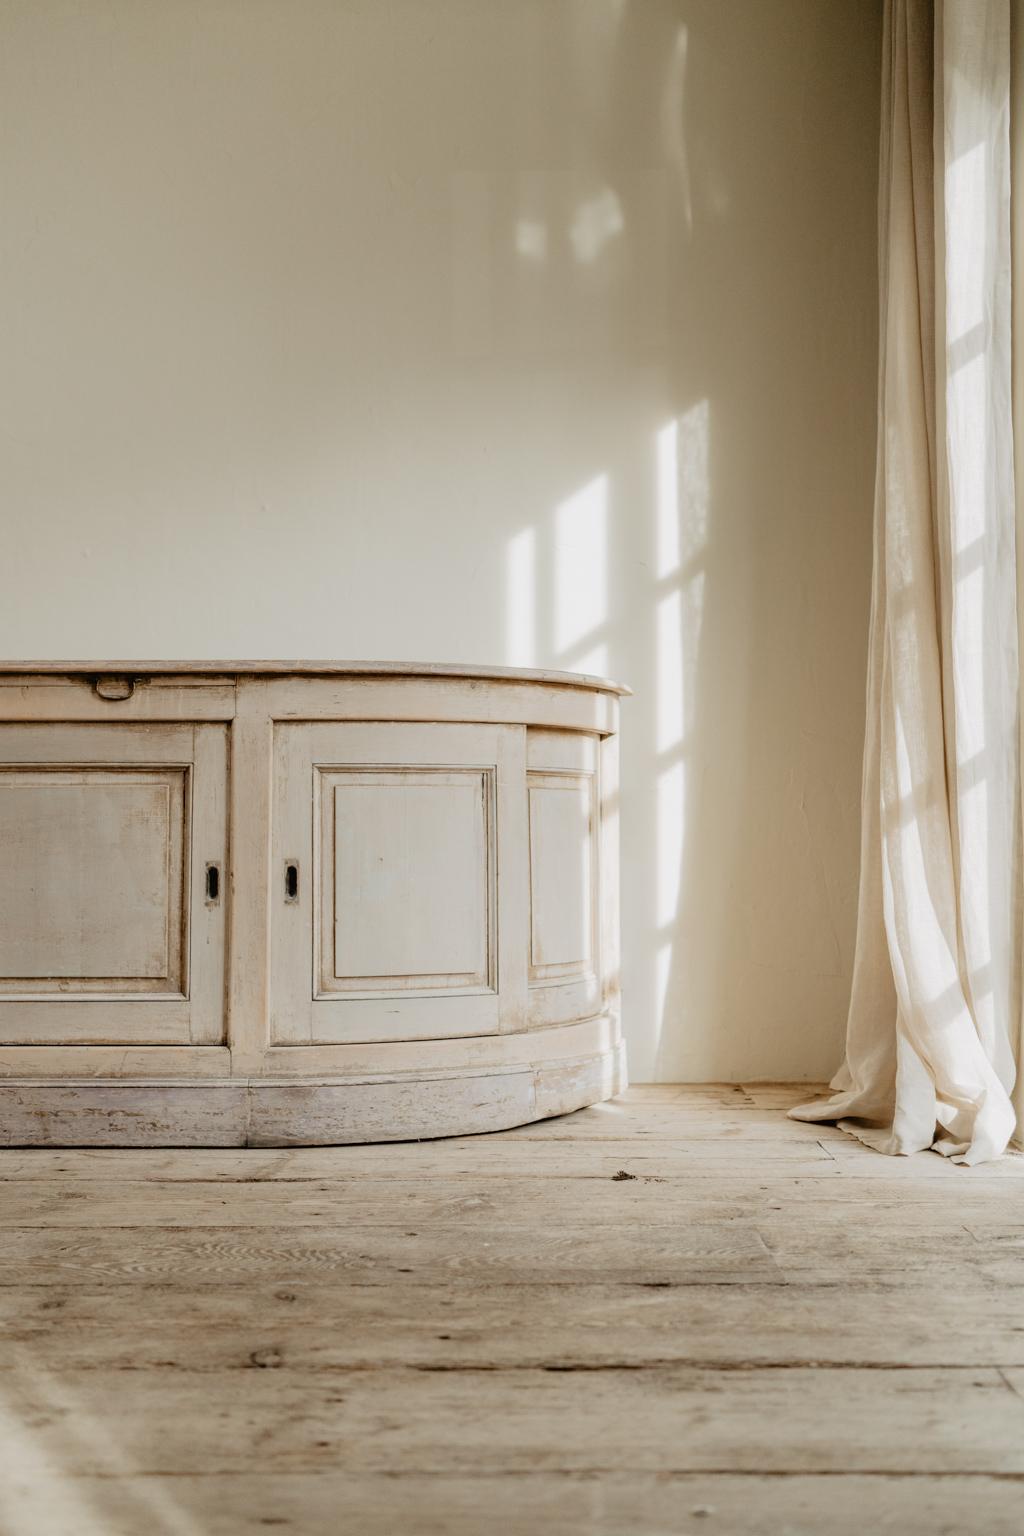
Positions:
(561, 875)
(91, 880)
(389, 930)
(564, 819)
(105, 935)
(408, 906)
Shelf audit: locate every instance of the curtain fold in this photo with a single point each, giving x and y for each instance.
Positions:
(934, 1023)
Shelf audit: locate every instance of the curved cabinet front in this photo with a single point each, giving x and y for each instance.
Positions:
(283, 904)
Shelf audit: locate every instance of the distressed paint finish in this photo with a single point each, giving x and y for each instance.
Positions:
(412, 929)
(106, 833)
(270, 1113)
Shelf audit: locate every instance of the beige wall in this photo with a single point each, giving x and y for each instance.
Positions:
(487, 330)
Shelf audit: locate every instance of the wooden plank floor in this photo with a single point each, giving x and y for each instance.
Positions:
(677, 1313)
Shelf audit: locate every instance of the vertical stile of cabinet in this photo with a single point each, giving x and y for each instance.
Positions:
(397, 882)
(251, 776)
(108, 933)
(610, 939)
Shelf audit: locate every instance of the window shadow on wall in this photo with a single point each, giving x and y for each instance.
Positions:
(716, 554)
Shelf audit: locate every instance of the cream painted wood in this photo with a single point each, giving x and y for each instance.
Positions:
(561, 752)
(545, 705)
(158, 670)
(407, 880)
(262, 1112)
(563, 873)
(91, 889)
(106, 932)
(105, 1062)
(608, 894)
(595, 1037)
(393, 933)
(564, 793)
(252, 767)
(154, 699)
(550, 702)
(411, 934)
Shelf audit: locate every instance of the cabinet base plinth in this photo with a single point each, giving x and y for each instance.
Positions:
(267, 1112)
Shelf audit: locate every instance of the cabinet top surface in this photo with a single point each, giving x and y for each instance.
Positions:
(399, 669)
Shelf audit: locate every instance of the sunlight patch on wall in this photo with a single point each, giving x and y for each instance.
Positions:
(594, 224)
(693, 479)
(671, 836)
(532, 240)
(667, 454)
(581, 565)
(670, 701)
(680, 536)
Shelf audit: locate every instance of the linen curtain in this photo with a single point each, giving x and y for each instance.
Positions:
(934, 1020)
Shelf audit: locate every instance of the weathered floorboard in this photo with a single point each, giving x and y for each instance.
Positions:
(765, 1327)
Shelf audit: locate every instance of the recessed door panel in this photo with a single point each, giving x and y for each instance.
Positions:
(406, 898)
(385, 924)
(561, 875)
(106, 932)
(91, 875)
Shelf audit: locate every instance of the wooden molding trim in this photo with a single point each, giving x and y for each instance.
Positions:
(261, 1112)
